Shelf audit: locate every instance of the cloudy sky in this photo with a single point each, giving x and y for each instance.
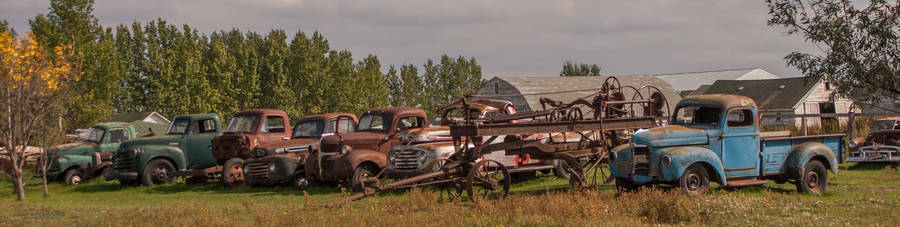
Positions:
(507, 37)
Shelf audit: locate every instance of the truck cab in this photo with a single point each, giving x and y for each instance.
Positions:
(717, 138)
(67, 160)
(247, 129)
(353, 156)
(185, 150)
(283, 161)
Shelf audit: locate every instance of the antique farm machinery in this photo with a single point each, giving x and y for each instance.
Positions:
(578, 133)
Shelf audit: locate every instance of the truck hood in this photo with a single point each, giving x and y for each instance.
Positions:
(155, 140)
(357, 138)
(75, 148)
(299, 142)
(672, 135)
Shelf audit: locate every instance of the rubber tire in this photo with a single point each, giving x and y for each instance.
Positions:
(226, 173)
(357, 173)
(147, 176)
(818, 169)
(72, 177)
(694, 173)
(560, 169)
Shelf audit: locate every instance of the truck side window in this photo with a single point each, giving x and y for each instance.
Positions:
(329, 126)
(205, 126)
(117, 136)
(273, 124)
(409, 122)
(345, 125)
(740, 117)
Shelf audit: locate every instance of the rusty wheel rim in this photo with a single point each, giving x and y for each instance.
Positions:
(76, 179)
(237, 175)
(488, 183)
(160, 174)
(693, 182)
(812, 180)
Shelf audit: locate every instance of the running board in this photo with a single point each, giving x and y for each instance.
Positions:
(745, 183)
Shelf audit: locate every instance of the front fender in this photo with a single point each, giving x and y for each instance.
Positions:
(803, 153)
(172, 153)
(356, 157)
(69, 161)
(684, 157)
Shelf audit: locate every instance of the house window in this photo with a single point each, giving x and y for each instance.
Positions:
(496, 88)
(827, 86)
(826, 108)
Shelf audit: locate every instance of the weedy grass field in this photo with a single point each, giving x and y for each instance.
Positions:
(860, 194)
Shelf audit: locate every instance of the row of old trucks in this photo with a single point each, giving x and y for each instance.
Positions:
(710, 138)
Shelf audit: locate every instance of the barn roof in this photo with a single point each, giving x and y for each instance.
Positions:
(774, 94)
(693, 80)
(551, 84)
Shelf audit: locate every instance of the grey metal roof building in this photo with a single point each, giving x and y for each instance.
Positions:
(693, 80)
(776, 94)
(517, 86)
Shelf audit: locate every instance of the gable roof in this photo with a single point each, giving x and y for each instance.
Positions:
(774, 94)
(548, 85)
(138, 116)
(693, 80)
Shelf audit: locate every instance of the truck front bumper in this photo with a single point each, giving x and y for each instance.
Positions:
(875, 154)
(121, 175)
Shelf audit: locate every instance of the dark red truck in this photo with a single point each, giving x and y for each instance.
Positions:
(247, 129)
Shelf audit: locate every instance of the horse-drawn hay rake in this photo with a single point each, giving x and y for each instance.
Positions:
(582, 143)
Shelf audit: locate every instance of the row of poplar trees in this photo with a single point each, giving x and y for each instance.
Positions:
(175, 70)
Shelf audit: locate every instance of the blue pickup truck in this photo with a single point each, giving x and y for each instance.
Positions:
(717, 138)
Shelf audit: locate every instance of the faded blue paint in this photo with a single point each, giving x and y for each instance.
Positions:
(734, 151)
(684, 157)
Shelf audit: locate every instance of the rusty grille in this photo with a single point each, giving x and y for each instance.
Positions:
(406, 159)
(257, 170)
(124, 160)
(641, 159)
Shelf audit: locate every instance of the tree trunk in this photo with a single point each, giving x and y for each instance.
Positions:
(19, 185)
(43, 166)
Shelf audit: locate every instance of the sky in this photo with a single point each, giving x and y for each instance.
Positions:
(507, 37)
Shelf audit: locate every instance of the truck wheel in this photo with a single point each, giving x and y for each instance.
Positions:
(694, 180)
(158, 171)
(361, 172)
(233, 173)
(814, 178)
(72, 177)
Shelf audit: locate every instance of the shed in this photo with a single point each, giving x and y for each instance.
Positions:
(693, 80)
(787, 96)
(515, 87)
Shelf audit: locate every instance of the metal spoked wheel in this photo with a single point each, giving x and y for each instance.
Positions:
(447, 191)
(488, 179)
(597, 171)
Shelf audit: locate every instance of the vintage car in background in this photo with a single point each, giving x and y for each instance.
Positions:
(283, 161)
(362, 154)
(247, 129)
(89, 155)
(881, 145)
(185, 150)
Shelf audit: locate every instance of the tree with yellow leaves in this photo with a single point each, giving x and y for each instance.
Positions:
(31, 83)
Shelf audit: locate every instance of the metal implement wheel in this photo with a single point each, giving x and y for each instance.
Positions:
(597, 171)
(447, 191)
(233, 173)
(488, 179)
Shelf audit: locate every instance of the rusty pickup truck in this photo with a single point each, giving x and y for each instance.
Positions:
(283, 161)
(247, 129)
(355, 156)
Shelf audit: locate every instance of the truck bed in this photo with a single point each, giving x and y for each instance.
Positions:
(776, 149)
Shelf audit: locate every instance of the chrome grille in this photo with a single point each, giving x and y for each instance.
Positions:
(257, 170)
(407, 159)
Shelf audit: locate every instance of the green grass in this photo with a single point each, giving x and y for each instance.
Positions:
(858, 195)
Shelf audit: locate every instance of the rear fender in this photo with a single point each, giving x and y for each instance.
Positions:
(684, 157)
(171, 153)
(803, 153)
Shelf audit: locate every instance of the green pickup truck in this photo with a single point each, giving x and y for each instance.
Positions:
(75, 162)
(185, 150)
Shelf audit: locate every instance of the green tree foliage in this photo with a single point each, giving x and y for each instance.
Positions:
(860, 45)
(579, 69)
(438, 84)
(4, 27)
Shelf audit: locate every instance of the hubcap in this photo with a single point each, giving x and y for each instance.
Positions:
(162, 174)
(237, 174)
(812, 179)
(693, 182)
(76, 179)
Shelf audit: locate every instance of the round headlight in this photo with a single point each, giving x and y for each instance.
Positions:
(259, 152)
(421, 156)
(271, 167)
(391, 156)
(345, 149)
(666, 161)
(853, 143)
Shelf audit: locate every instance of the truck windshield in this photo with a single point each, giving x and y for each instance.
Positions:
(703, 116)
(882, 125)
(371, 122)
(308, 129)
(178, 127)
(92, 136)
(241, 124)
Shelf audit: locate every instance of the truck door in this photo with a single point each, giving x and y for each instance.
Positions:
(740, 144)
(199, 139)
(403, 125)
(273, 129)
